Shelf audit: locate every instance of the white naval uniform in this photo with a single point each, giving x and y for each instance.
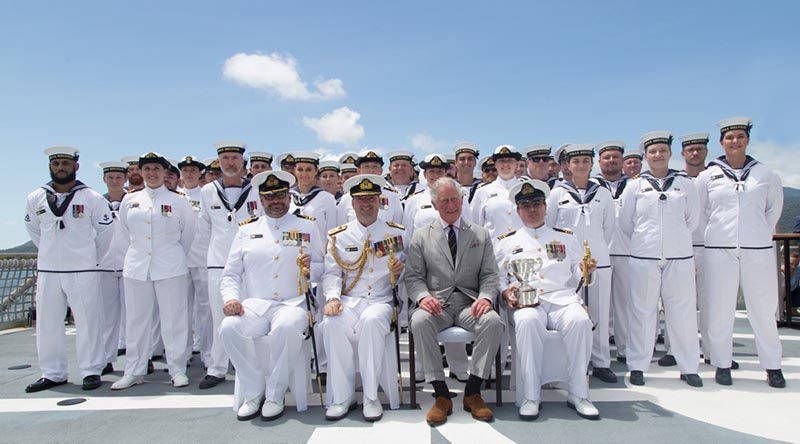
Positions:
(492, 209)
(619, 254)
(199, 308)
(317, 204)
(366, 314)
(70, 246)
(659, 216)
(590, 215)
(221, 211)
(700, 285)
(391, 209)
(159, 226)
(262, 264)
(740, 214)
(112, 289)
(561, 306)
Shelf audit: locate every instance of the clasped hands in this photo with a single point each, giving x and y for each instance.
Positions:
(433, 306)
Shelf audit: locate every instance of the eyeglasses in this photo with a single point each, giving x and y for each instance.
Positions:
(275, 196)
(539, 159)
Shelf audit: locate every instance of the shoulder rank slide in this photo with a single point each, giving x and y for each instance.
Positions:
(563, 230)
(180, 193)
(337, 230)
(503, 236)
(395, 225)
(303, 216)
(248, 220)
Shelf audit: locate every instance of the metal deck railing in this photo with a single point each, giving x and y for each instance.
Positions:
(17, 290)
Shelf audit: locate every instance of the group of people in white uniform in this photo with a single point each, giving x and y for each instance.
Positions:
(316, 249)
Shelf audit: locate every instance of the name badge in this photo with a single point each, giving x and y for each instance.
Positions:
(425, 207)
(133, 205)
(256, 236)
(215, 207)
(78, 211)
(516, 250)
(166, 210)
(718, 176)
(40, 211)
(564, 202)
(295, 239)
(351, 248)
(556, 251)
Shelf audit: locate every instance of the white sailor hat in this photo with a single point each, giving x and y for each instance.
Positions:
(695, 138)
(153, 157)
(578, 149)
(735, 123)
(230, 146)
(62, 152)
(191, 161)
(450, 158)
(271, 182)
(466, 147)
(348, 157)
(261, 156)
(285, 159)
(114, 167)
(347, 167)
(632, 153)
(654, 137)
(486, 162)
(528, 189)
(329, 165)
(560, 151)
(401, 155)
(306, 157)
(537, 150)
(369, 156)
(364, 185)
(433, 161)
(617, 145)
(506, 151)
(130, 160)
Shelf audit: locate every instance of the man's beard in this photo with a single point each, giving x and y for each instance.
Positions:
(63, 180)
(135, 180)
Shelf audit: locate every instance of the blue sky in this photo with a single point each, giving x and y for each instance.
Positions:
(114, 78)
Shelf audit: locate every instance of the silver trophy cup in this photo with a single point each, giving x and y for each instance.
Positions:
(526, 271)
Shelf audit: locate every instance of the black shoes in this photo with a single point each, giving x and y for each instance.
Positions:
(210, 381)
(734, 364)
(637, 377)
(667, 361)
(107, 369)
(775, 379)
(693, 379)
(723, 376)
(622, 359)
(323, 378)
(150, 367)
(43, 384)
(91, 382)
(604, 374)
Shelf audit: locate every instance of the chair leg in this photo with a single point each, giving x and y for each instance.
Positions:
(412, 367)
(498, 382)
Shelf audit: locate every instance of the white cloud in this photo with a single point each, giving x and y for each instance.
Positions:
(780, 159)
(338, 126)
(426, 143)
(279, 74)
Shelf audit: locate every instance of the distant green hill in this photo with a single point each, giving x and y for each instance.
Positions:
(27, 247)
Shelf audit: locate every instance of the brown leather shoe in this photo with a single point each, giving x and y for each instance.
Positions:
(437, 415)
(478, 408)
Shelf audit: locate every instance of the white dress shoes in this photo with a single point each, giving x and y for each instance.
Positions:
(339, 411)
(583, 407)
(529, 410)
(272, 410)
(127, 381)
(249, 409)
(372, 410)
(180, 380)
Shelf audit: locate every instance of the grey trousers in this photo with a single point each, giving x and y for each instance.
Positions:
(487, 329)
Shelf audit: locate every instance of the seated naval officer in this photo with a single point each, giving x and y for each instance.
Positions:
(358, 288)
(263, 263)
(559, 306)
(451, 277)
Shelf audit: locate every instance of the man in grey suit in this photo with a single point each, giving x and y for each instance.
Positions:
(452, 277)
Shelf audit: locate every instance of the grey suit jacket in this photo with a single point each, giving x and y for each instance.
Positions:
(430, 270)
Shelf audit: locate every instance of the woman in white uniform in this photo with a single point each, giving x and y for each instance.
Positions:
(159, 226)
(659, 211)
(741, 201)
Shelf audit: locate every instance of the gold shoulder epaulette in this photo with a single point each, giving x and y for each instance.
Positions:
(483, 184)
(248, 220)
(337, 230)
(635, 176)
(390, 188)
(180, 193)
(395, 225)
(503, 236)
(303, 216)
(563, 230)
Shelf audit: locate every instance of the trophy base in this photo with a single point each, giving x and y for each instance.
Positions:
(528, 299)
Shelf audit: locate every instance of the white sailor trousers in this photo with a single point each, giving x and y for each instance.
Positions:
(756, 272)
(202, 323)
(620, 296)
(171, 297)
(599, 309)
(218, 363)
(673, 281)
(54, 291)
(702, 300)
(363, 328)
(531, 325)
(111, 288)
(285, 325)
